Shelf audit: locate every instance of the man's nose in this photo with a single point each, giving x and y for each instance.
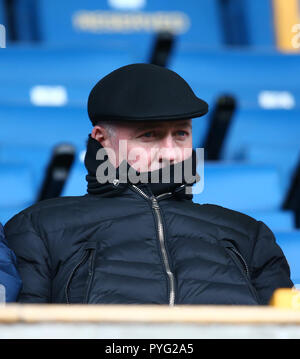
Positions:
(169, 151)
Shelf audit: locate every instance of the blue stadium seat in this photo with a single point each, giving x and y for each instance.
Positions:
(26, 20)
(285, 158)
(28, 135)
(41, 64)
(16, 186)
(16, 189)
(260, 23)
(246, 74)
(3, 23)
(25, 173)
(49, 93)
(44, 126)
(199, 130)
(34, 157)
(81, 22)
(250, 22)
(8, 212)
(257, 127)
(2, 15)
(290, 244)
(239, 187)
(59, 77)
(76, 184)
(275, 220)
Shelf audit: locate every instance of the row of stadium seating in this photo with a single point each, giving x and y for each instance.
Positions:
(236, 22)
(44, 75)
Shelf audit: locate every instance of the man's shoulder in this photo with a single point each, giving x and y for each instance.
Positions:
(53, 204)
(226, 217)
(46, 211)
(226, 213)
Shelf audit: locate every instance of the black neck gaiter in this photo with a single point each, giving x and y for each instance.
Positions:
(160, 181)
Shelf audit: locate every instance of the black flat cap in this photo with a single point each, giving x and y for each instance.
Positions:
(143, 92)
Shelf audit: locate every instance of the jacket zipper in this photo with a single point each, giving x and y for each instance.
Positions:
(242, 260)
(91, 275)
(161, 237)
(156, 208)
(246, 271)
(84, 257)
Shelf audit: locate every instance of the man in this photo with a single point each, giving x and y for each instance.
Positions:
(133, 239)
(10, 282)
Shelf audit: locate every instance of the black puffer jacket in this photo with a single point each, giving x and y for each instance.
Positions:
(124, 245)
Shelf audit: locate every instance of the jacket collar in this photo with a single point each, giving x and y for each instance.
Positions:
(119, 182)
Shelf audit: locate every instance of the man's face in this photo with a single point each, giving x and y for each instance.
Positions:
(148, 145)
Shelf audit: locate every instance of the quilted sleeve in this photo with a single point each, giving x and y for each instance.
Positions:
(9, 276)
(269, 267)
(32, 259)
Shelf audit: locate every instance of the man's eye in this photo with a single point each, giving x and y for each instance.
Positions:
(182, 133)
(148, 134)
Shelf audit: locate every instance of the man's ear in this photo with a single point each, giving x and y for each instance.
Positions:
(100, 134)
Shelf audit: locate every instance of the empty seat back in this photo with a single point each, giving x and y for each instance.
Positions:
(239, 187)
(16, 186)
(133, 22)
(261, 80)
(44, 126)
(2, 13)
(35, 157)
(262, 24)
(7, 212)
(259, 19)
(257, 127)
(275, 220)
(285, 158)
(76, 184)
(290, 244)
(3, 30)
(44, 76)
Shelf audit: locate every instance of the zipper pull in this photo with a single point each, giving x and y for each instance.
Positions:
(154, 202)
